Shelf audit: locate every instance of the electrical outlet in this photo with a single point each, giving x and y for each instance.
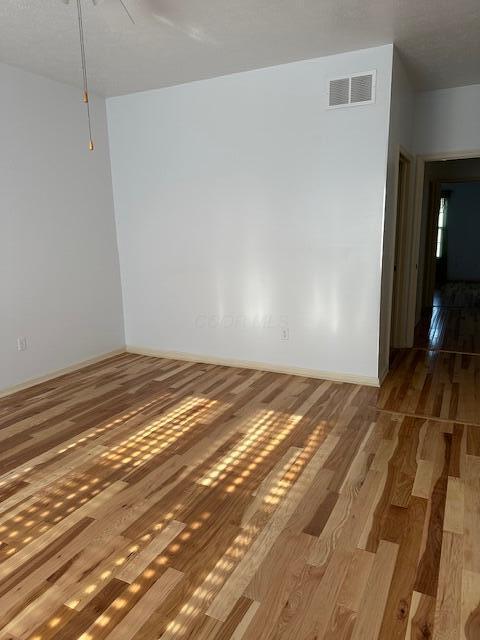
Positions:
(285, 333)
(21, 344)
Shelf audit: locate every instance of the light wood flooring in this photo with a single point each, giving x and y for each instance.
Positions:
(144, 498)
(453, 324)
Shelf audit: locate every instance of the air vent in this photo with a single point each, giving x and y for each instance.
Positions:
(353, 90)
(361, 88)
(339, 92)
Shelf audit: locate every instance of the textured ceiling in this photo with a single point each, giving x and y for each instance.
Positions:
(174, 41)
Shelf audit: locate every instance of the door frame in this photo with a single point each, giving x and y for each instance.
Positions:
(413, 250)
(400, 269)
(430, 264)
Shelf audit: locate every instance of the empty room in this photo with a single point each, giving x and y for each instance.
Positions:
(239, 320)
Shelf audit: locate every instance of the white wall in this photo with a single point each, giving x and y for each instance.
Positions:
(243, 206)
(463, 231)
(400, 136)
(59, 278)
(447, 120)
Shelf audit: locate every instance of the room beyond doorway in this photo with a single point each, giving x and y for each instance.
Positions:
(448, 287)
(448, 229)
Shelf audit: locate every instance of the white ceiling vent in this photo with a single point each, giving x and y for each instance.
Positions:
(354, 90)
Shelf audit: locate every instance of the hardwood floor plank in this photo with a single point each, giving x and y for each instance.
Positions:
(356, 580)
(275, 580)
(138, 563)
(141, 611)
(472, 515)
(449, 596)
(454, 506)
(372, 606)
(427, 572)
(341, 624)
(470, 614)
(403, 527)
(421, 617)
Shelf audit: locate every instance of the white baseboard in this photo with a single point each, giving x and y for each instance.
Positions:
(60, 372)
(262, 366)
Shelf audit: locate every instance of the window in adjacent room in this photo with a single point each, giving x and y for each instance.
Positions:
(442, 225)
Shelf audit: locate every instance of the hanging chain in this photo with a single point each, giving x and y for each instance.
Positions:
(84, 71)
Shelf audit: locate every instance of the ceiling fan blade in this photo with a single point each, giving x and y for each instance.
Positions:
(126, 9)
(145, 12)
(169, 14)
(195, 33)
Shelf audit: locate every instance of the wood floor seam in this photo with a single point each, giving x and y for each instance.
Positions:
(423, 416)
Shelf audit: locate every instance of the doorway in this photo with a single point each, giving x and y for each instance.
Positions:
(448, 280)
(410, 293)
(448, 230)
